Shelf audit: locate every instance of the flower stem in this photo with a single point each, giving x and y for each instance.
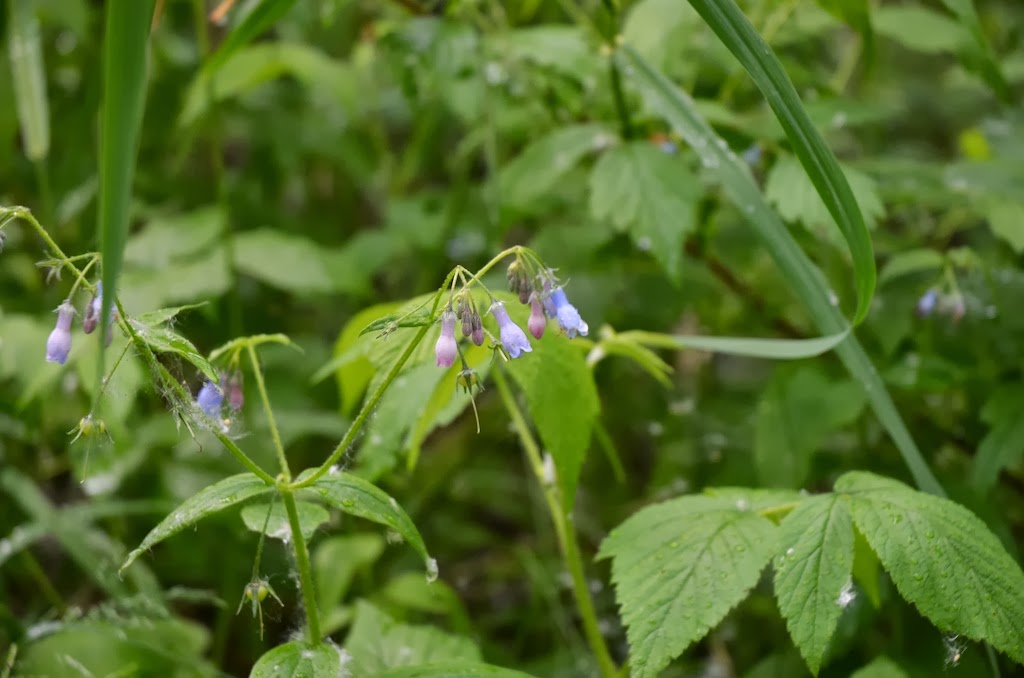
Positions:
(564, 529)
(261, 386)
(302, 560)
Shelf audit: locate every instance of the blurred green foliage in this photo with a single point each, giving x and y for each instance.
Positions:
(307, 167)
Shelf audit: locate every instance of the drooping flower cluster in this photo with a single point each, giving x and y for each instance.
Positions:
(58, 344)
(951, 305)
(210, 399)
(536, 286)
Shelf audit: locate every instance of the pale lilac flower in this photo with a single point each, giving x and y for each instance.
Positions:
(512, 337)
(446, 347)
(537, 321)
(926, 304)
(568, 317)
(209, 399)
(58, 345)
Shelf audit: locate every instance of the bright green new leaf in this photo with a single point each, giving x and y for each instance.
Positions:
(648, 193)
(678, 568)
(212, 499)
(357, 497)
(563, 404)
(311, 517)
(796, 414)
(812, 570)
(942, 558)
(378, 643)
(24, 47)
(299, 660)
(538, 169)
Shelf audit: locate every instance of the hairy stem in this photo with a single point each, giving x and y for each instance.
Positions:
(564, 529)
(261, 386)
(302, 561)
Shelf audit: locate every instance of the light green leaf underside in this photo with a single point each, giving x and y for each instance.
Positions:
(311, 516)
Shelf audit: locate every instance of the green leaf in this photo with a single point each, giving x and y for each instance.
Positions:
(538, 169)
(241, 343)
(866, 570)
(650, 194)
(160, 316)
(678, 568)
(910, 262)
(812, 569)
(311, 517)
(563, 404)
(283, 260)
(880, 667)
(124, 94)
(24, 48)
(933, 32)
(300, 660)
(357, 497)
(258, 19)
(795, 415)
(736, 32)
(751, 347)
(942, 558)
(655, 26)
(211, 499)
(336, 561)
(1006, 219)
(452, 669)
(856, 13)
(163, 340)
(981, 56)
(559, 47)
(804, 278)
(378, 643)
(1003, 445)
(791, 192)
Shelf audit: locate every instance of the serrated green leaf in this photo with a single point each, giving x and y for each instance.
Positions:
(814, 564)
(24, 47)
(378, 643)
(667, 100)
(357, 497)
(795, 415)
(212, 499)
(163, 340)
(648, 193)
(563, 404)
(453, 669)
(540, 166)
(311, 517)
(757, 499)
(942, 558)
(299, 660)
(866, 569)
(678, 568)
(790, 191)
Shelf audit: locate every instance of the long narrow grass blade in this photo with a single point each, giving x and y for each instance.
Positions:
(260, 18)
(124, 93)
(740, 37)
(987, 65)
(802, 275)
(29, 77)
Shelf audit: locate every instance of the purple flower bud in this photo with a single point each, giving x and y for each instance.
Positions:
(478, 335)
(537, 321)
(209, 399)
(58, 345)
(92, 311)
(926, 304)
(512, 337)
(446, 347)
(568, 317)
(236, 396)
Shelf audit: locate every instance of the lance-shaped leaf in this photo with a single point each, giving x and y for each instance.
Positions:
(217, 497)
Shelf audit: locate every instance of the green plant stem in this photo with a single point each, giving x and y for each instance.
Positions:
(26, 215)
(564, 529)
(8, 666)
(302, 561)
(278, 447)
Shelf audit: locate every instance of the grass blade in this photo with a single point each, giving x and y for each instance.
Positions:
(260, 18)
(740, 37)
(124, 93)
(802, 275)
(29, 78)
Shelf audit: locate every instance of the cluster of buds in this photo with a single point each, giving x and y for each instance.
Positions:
(210, 399)
(58, 344)
(539, 289)
(951, 305)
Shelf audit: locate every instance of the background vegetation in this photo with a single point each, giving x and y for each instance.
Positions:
(304, 168)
